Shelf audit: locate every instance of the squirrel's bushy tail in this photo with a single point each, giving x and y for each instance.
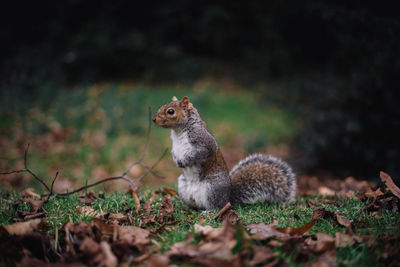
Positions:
(262, 177)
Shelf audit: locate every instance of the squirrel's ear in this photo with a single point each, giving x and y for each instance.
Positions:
(185, 103)
(174, 98)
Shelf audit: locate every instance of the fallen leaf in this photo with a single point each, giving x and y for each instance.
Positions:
(344, 240)
(345, 222)
(134, 236)
(157, 261)
(390, 184)
(262, 255)
(325, 191)
(109, 258)
(317, 214)
(327, 259)
(169, 191)
(35, 204)
(262, 231)
(23, 228)
(88, 211)
(322, 243)
(109, 231)
(216, 247)
(89, 249)
(203, 230)
(166, 209)
(30, 193)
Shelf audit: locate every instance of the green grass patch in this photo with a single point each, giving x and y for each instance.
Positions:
(61, 210)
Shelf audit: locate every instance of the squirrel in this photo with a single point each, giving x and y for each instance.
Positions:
(206, 183)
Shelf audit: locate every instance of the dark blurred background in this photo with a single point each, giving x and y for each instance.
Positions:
(335, 64)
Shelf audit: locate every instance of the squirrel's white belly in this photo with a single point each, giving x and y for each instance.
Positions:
(180, 145)
(192, 190)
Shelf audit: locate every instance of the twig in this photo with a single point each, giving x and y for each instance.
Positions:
(123, 176)
(223, 210)
(52, 186)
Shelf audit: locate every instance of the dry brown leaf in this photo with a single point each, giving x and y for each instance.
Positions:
(109, 258)
(169, 191)
(30, 193)
(108, 231)
(262, 231)
(35, 204)
(23, 228)
(327, 259)
(166, 209)
(261, 255)
(134, 236)
(217, 246)
(89, 248)
(317, 214)
(157, 261)
(374, 194)
(323, 243)
(390, 184)
(325, 191)
(345, 222)
(344, 240)
(88, 211)
(203, 230)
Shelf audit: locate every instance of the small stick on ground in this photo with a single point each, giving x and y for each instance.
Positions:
(223, 210)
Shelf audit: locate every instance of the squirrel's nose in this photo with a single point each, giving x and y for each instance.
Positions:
(154, 119)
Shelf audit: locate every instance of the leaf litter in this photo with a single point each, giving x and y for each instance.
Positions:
(110, 239)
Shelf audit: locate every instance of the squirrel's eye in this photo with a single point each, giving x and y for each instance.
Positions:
(170, 111)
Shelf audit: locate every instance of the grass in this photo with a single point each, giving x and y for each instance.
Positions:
(61, 210)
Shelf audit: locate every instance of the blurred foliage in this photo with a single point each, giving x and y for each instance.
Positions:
(96, 132)
(335, 64)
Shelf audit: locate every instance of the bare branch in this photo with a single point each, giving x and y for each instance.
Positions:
(13, 171)
(52, 185)
(94, 184)
(40, 180)
(133, 183)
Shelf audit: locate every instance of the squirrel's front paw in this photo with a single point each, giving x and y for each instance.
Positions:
(179, 164)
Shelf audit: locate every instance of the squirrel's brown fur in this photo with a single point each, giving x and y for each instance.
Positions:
(205, 182)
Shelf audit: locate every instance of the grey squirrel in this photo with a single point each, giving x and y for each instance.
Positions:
(206, 182)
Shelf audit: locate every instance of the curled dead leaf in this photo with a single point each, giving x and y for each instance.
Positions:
(390, 184)
(262, 231)
(344, 240)
(35, 204)
(317, 214)
(23, 228)
(109, 258)
(30, 193)
(262, 255)
(169, 191)
(88, 211)
(134, 236)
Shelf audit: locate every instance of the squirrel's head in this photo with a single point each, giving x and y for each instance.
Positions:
(173, 114)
